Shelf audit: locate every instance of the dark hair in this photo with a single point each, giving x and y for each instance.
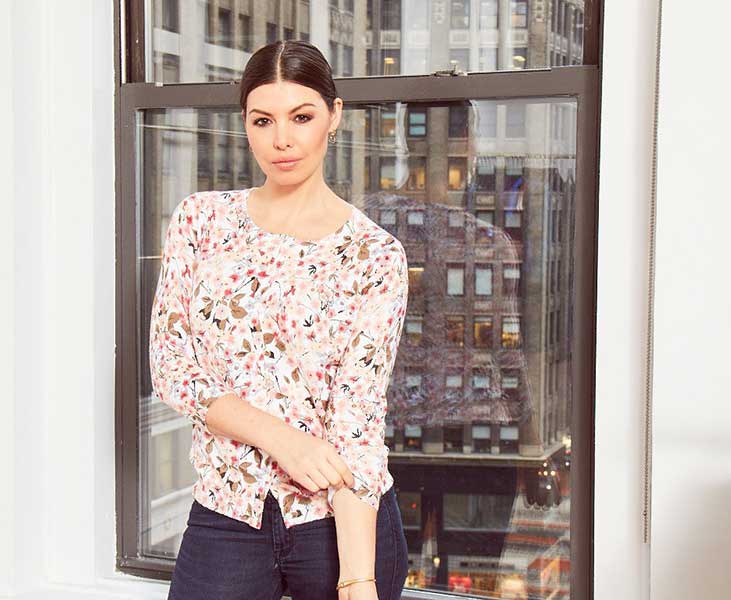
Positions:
(289, 60)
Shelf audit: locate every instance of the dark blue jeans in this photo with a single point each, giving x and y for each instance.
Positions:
(221, 558)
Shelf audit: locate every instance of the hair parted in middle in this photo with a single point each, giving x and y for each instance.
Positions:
(289, 60)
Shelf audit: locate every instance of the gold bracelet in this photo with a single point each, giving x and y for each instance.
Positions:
(349, 581)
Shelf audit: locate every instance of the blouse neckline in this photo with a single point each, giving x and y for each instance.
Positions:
(346, 227)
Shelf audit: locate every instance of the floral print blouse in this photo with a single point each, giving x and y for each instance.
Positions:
(305, 330)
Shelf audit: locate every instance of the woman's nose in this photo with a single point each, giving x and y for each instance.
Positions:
(282, 137)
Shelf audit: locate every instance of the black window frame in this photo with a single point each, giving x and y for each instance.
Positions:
(133, 93)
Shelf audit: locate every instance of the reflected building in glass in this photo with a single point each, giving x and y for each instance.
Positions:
(481, 193)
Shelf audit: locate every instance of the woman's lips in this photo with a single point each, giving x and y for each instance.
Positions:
(287, 164)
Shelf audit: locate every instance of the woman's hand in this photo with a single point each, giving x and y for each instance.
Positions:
(362, 590)
(311, 461)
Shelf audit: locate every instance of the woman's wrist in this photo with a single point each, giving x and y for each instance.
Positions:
(347, 582)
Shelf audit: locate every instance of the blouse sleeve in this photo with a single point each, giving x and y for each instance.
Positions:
(355, 421)
(181, 378)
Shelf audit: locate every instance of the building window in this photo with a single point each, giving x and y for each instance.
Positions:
(487, 59)
(481, 442)
(457, 173)
(514, 175)
(244, 37)
(387, 176)
(387, 217)
(485, 174)
(460, 14)
(417, 122)
(455, 330)
(453, 438)
(511, 332)
(272, 33)
(416, 276)
(170, 16)
(347, 61)
(417, 173)
(519, 14)
(455, 280)
(225, 28)
(455, 224)
(511, 279)
(483, 280)
(391, 14)
(412, 436)
(482, 331)
(515, 122)
(388, 123)
(458, 121)
(488, 14)
(413, 330)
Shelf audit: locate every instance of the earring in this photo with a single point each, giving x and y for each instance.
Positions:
(331, 136)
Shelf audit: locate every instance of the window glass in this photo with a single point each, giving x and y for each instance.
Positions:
(361, 38)
(481, 372)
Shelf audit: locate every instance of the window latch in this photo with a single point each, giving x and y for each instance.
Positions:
(449, 72)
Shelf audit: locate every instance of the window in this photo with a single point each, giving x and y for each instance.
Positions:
(519, 14)
(460, 14)
(511, 279)
(391, 15)
(244, 36)
(511, 332)
(488, 59)
(481, 442)
(453, 438)
(455, 330)
(413, 329)
(485, 174)
(458, 116)
(474, 182)
(388, 173)
(483, 280)
(388, 217)
(482, 331)
(170, 16)
(515, 122)
(417, 122)
(417, 173)
(488, 14)
(455, 280)
(225, 28)
(457, 176)
(416, 273)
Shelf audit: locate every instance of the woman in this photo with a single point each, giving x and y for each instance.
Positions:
(275, 326)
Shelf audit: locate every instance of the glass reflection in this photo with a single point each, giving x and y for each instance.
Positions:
(195, 41)
(480, 398)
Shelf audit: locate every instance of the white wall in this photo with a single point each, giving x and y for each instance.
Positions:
(56, 437)
(7, 301)
(621, 559)
(692, 462)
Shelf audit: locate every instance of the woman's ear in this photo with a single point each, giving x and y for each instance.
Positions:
(337, 113)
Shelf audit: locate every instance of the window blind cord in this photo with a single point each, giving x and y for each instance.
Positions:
(648, 432)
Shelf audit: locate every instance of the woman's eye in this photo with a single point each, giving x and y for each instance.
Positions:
(307, 118)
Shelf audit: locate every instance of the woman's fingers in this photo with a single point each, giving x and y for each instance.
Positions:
(342, 469)
(332, 475)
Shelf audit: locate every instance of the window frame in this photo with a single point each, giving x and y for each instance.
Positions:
(132, 93)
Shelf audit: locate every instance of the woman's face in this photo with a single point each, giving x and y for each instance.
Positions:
(286, 120)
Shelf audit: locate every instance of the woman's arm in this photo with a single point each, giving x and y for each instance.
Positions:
(193, 386)
(355, 420)
(182, 379)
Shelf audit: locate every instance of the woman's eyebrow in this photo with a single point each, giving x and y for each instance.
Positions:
(291, 111)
